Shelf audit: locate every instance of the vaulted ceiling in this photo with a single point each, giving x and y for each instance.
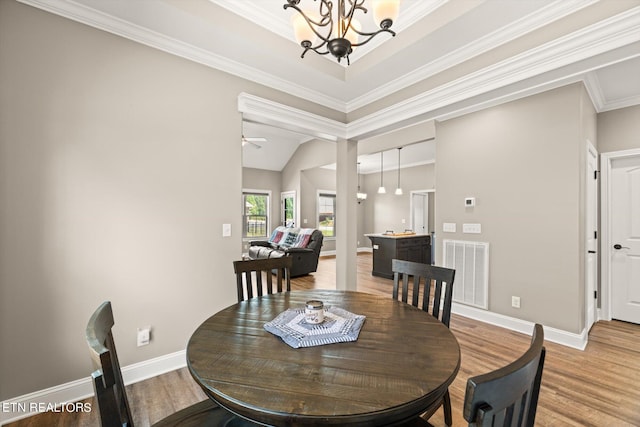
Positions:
(449, 56)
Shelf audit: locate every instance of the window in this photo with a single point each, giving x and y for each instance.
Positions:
(327, 213)
(256, 213)
(288, 208)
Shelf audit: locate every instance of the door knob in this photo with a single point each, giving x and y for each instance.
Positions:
(618, 246)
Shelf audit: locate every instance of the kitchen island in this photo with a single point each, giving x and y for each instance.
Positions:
(407, 246)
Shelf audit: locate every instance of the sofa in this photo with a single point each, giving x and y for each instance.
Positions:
(301, 244)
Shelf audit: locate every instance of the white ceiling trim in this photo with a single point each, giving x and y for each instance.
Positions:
(527, 24)
(592, 84)
(269, 112)
(621, 103)
(617, 31)
(94, 18)
(609, 34)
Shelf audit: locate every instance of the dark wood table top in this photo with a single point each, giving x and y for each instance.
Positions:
(400, 366)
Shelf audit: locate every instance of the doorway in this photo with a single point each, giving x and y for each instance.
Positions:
(288, 210)
(422, 204)
(621, 235)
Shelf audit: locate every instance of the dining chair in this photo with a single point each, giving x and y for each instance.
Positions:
(424, 277)
(109, 387)
(254, 271)
(506, 397)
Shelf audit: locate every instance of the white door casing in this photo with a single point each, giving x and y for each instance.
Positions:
(591, 229)
(621, 242)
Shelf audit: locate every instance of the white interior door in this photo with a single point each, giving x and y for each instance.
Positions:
(420, 212)
(591, 228)
(625, 238)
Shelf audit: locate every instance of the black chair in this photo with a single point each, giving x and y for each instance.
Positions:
(110, 390)
(425, 277)
(254, 271)
(508, 396)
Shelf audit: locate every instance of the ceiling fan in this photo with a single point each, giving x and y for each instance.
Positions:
(253, 141)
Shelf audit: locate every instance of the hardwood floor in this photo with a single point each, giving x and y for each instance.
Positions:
(596, 387)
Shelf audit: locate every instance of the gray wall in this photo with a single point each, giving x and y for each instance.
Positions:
(524, 163)
(386, 211)
(118, 166)
(619, 129)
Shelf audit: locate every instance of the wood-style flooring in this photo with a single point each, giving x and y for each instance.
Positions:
(599, 386)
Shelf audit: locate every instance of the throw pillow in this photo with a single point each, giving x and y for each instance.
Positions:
(289, 240)
(276, 236)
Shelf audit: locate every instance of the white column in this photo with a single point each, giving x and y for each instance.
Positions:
(346, 215)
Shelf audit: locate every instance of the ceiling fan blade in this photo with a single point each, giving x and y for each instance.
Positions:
(253, 140)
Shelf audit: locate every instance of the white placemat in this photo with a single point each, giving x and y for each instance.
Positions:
(339, 326)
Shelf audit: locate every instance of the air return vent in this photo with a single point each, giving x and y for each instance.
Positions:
(471, 262)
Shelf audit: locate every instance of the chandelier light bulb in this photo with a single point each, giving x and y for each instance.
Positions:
(385, 10)
(301, 29)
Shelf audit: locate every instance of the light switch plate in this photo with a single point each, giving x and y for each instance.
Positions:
(449, 227)
(226, 230)
(472, 228)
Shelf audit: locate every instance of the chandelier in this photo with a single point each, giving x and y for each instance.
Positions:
(325, 33)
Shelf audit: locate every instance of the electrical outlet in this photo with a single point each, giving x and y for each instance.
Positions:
(515, 302)
(144, 336)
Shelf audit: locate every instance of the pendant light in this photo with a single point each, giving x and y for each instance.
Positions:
(399, 189)
(360, 195)
(381, 189)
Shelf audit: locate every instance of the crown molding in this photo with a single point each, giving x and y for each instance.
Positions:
(94, 18)
(592, 83)
(617, 31)
(621, 103)
(606, 35)
(266, 111)
(417, 11)
(501, 36)
(594, 89)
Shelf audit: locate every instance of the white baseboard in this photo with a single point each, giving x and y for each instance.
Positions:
(28, 404)
(569, 339)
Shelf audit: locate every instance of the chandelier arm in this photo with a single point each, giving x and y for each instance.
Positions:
(313, 25)
(372, 35)
(344, 20)
(315, 49)
(362, 33)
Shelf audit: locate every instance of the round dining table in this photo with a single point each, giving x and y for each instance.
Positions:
(399, 366)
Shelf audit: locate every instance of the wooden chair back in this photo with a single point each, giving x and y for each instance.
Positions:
(508, 396)
(424, 276)
(249, 274)
(107, 378)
